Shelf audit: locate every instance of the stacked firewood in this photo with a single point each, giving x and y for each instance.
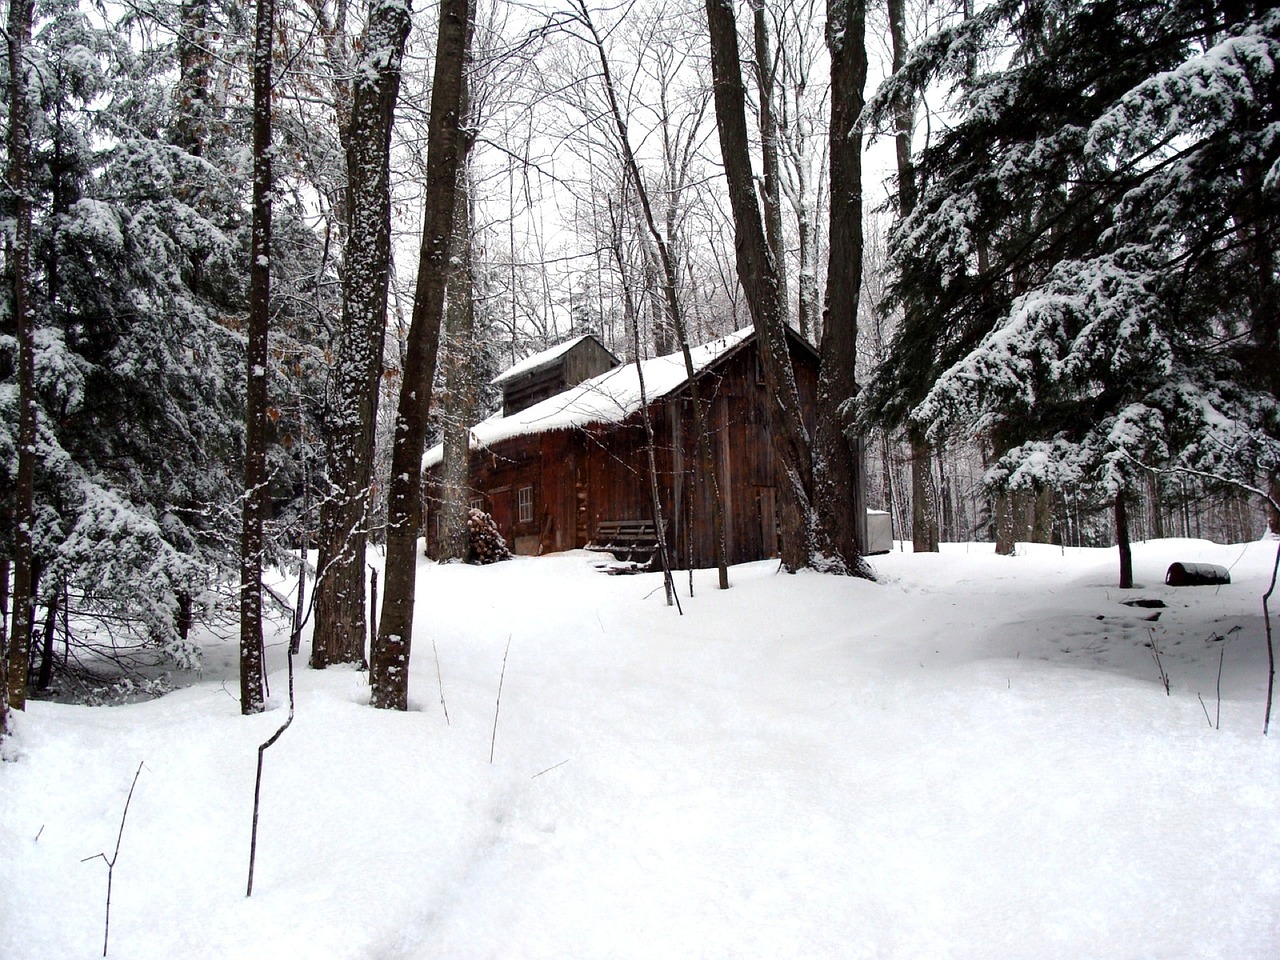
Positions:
(487, 544)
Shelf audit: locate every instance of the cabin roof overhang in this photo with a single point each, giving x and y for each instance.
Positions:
(613, 397)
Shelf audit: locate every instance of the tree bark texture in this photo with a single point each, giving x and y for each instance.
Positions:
(924, 501)
(459, 401)
(459, 409)
(839, 481)
(770, 185)
(340, 628)
(1006, 531)
(195, 62)
(18, 657)
(802, 540)
(255, 438)
(389, 663)
(1123, 543)
(924, 505)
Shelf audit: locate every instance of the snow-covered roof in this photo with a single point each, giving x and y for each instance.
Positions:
(609, 398)
(538, 360)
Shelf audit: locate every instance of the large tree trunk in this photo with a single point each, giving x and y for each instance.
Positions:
(924, 502)
(924, 505)
(1006, 525)
(1157, 505)
(460, 381)
(839, 481)
(389, 663)
(1122, 541)
(195, 60)
(458, 406)
(18, 660)
(340, 628)
(255, 432)
(803, 540)
(770, 186)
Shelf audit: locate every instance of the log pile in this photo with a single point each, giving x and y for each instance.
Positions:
(486, 543)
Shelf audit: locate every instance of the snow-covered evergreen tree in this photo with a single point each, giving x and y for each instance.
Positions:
(139, 243)
(1092, 262)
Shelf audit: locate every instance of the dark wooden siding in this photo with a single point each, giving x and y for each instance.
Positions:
(584, 360)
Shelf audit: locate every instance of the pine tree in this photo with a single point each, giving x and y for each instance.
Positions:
(135, 377)
(1091, 265)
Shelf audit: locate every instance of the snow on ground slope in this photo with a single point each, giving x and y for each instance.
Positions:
(972, 758)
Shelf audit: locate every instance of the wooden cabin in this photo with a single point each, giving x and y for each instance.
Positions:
(551, 472)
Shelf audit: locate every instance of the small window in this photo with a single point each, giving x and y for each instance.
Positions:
(478, 504)
(524, 498)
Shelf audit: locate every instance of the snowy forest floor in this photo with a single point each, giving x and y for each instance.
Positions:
(972, 758)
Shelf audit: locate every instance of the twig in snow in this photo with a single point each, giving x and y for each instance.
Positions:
(1222, 653)
(38, 832)
(1205, 709)
(498, 705)
(1155, 655)
(549, 769)
(1271, 650)
(257, 783)
(111, 861)
(440, 681)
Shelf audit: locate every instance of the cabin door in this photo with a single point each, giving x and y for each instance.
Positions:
(502, 509)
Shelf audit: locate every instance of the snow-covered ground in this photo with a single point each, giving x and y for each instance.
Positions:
(972, 758)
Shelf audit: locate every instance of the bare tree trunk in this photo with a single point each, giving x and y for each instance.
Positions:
(924, 507)
(459, 401)
(255, 432)
(1157, 505)
(194, 75)
(946, 500)
(1006, 529)
(389, 663)
(18, 660)
(340, 628)
(1040, 518)
(770, 187)
(807, 281)
(839, 471)
(1122, 541)
(5, 568)
(255, 443)
(44, 678)
(655, 497)
(804, 542)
